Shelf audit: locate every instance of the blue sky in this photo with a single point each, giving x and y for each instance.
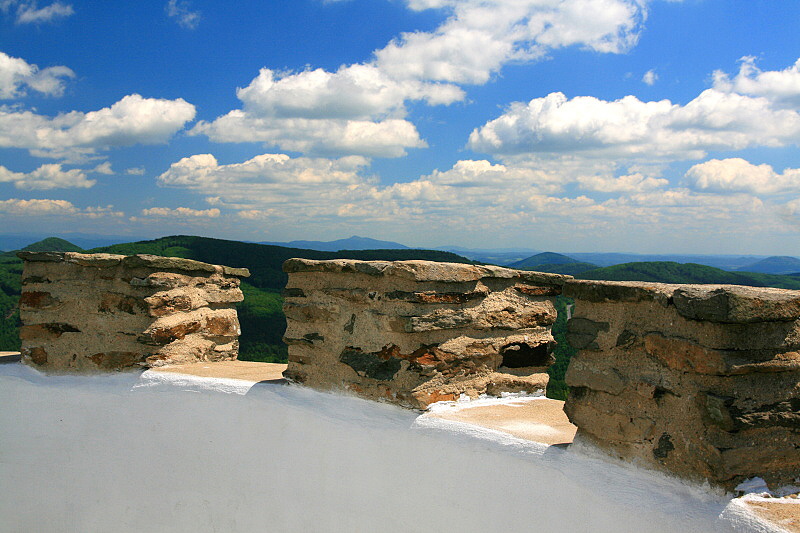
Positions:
(565, 125)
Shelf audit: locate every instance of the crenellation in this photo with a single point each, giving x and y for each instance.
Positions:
(702, 381)
(99, 312)
(413, 332)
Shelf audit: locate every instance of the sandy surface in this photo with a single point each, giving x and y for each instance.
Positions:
(541, 419)
(243, 370)
(9, 357)
(784, 512)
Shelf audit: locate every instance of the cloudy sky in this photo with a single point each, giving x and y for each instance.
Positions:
(565, 125)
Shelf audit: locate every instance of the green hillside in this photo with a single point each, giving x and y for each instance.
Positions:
(261, 313)
(669, 272)
(263, 260)
(52, 244)
(572, 269)
(544, 258)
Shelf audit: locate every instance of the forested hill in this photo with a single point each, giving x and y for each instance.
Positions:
(669, 272)
(263, 260)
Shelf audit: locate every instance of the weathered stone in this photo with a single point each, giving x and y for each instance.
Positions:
(121, 303)
(97, 312)
(43, 257)
(415, 330)
(582, 333)
(736, 304)
(46, 331)
(114, 360)
(617, 291)
(380, 365)
(37, 300)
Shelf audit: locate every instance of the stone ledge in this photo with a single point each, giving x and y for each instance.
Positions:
(733, 304)
(421, 271)
(131, 261)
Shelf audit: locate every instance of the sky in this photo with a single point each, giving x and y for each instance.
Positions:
(650, 126)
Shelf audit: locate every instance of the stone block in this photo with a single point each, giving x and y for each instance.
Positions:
(101, 312)
(410, 332)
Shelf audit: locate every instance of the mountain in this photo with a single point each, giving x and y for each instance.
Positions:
(52, 244)
(352, 243)
(544, 258)
(86, 241)
(671, 272)
(774, 265)
(725, 262)
(492, 256)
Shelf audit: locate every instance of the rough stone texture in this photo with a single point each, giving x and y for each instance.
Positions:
(699, 380)
(417, 332)
(100, 312)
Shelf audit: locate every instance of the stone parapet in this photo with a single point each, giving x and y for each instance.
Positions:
(100, 312)
(416, 332)
(699, 380)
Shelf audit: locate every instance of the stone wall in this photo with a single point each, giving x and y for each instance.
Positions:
(699, 380)
(99, 312)
(416, 332)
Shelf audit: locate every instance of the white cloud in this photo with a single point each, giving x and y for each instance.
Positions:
(650, 77)
(136, 171)
(482, 35)
(635, 182)
(352, 92)
(739, 175)
(37, 207)
(629, 128)
(356, 110)
(360, 109)
(132, 120)
(516, 203)
(264, 178)
(61, 208)
(181, 11)
(17, 75)
(385, 138)
(104, 168)
(781, 87)
(180, 212)
(29, 12)
(50, 176)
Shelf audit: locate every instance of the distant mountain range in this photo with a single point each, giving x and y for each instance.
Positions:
(774, 265)
(18, 241)
(352, 243)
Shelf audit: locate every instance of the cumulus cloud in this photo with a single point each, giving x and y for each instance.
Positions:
(17, 76)
(57, 208)
(352, 92)
(385, 138)
(135, 171)
(518, 202)
(781, 87)
(50, 176)
(132, 120)
(356, 110)
(180, 212)
(182, 12)
(29, 12)
(360, 109)
(738, 175)
(265, 180)
(630, 128)
(650, 77)
(481, 36)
